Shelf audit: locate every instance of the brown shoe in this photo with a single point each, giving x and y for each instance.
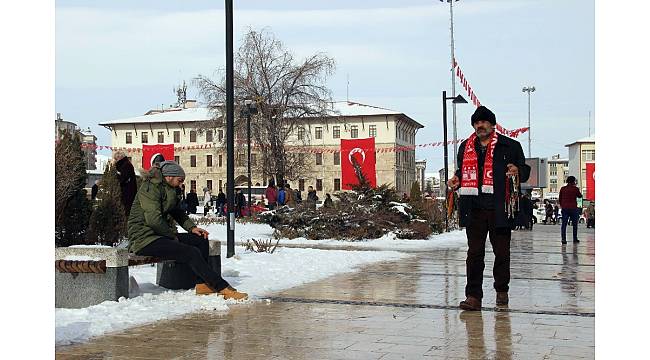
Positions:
(230, 293)
(471, 304)
(204, 289)
(502, 298)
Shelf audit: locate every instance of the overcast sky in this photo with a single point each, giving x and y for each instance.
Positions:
(121, 58)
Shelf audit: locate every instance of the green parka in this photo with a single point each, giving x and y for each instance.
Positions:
(154, 209)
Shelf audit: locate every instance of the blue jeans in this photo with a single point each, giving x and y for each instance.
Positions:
(574, 215)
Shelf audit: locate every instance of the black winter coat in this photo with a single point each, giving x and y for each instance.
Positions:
(506, 151)
(192, 202)
(128, 182)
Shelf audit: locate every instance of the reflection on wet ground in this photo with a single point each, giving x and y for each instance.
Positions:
(394, 310)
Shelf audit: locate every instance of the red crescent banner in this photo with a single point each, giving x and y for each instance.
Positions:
(591, 181)
(363, 150)
(149, 151)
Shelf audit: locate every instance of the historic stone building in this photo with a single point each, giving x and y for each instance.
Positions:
(203, 154)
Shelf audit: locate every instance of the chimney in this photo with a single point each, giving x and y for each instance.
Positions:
(58, 116)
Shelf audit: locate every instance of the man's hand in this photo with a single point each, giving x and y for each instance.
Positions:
(200, 232)
(512, 170)
(453, 182)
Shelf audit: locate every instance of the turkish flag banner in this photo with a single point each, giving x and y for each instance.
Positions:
(591, 181)
(150, 151)
(363, 151)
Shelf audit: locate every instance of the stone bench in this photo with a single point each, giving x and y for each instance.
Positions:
(89, 275)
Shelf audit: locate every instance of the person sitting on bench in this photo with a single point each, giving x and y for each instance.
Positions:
(152, 232)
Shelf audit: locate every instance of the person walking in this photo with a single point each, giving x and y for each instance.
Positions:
(289, 196)
(548, 212)
(484, 162)
(556, 214)
(192, 201)
(152, 232)
(568, 198)
(240, 203)
(271, 194)
(94, 190)
(221, 202)
(127, 179)
(207, 199)
(312, 197)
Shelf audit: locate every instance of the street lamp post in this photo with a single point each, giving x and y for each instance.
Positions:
(250, 108)
(455, 100)
(230, 138)
(453, 73)
(528, 89)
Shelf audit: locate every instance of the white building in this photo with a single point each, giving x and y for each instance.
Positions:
(205, 161)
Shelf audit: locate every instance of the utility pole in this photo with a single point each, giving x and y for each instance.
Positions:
(230, 136)
(528, 89)
(453, 77)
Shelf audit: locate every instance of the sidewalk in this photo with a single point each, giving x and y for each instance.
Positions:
(394, 310)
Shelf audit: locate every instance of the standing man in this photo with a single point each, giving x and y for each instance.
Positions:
(271, 194)
(127, 179)
(94, 190)
(152, 232)
(568, 198)
(484, 160)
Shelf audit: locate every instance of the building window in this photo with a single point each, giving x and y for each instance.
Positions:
(161, 137)
(209, 185)
(144, 137)
(220, 184)
(337, 184)
(177, 136)
(588, 155)
(301, 185)
(193, 185)
(253, 159)
(220, 160)
(208, 160)
(192, 160)
(301, 133)
(372, 130)
(319, 184)
(220, 135)
(241, 159)
(354, 131)
(192, 136)
(337, 158)
(319, 159)
(177, 159)
(319, 132)
(336, 132)
(129, 137)
(208, 136)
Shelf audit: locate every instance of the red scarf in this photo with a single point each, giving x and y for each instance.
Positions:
(469, 171)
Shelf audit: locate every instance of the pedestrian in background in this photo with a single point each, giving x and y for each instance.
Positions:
(127, 179)
(568, 198)
(207, 199)
(590, 214)
(271, 194)
(282, 196)
(221, 202)
(192, 201)
(289, 196)
(94, 190)
(312, 197)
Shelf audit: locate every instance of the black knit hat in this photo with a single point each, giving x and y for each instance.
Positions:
(483, 113)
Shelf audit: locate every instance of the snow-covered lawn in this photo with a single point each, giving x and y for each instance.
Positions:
(258, 274)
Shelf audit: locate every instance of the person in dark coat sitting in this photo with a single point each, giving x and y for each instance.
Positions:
(127, 179)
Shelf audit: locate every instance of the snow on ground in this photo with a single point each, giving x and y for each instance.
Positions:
(243, 232)
(259, 274)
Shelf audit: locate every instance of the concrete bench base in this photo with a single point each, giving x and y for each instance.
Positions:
(79, 290)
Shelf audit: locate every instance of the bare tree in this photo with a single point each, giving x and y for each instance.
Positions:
(286, 91)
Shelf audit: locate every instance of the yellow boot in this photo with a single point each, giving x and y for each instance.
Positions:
(231, 293)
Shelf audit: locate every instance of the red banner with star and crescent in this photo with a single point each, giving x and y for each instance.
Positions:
(150, 151)
(363, 151)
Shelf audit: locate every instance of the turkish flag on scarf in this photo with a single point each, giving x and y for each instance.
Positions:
(150, 151)
(363, 150)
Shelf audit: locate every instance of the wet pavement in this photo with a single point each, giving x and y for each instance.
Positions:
(395, 310)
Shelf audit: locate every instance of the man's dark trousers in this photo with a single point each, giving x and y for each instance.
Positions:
(480, 225)
(575, 217)
(190, 249)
